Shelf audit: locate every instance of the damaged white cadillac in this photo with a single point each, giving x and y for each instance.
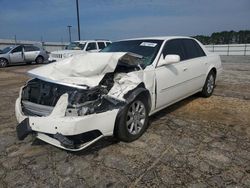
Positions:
(73, 103)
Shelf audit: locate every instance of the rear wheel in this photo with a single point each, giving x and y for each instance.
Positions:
(39, 60)
(209, 85)
(133, 120)
(3, 62)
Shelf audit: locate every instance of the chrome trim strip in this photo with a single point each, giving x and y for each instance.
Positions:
(56, 143)
(164, 89)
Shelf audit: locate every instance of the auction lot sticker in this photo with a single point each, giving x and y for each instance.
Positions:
(148, 44)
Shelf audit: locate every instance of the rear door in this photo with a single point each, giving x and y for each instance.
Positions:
(195, 64)
(17, 55)
(30, 53)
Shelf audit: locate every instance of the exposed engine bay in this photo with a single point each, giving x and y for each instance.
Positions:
(39, 96)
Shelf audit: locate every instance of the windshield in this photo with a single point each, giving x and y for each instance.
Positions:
(6, 50)
(148, 49)
(75, 46)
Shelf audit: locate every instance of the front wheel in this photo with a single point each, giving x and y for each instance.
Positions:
(209, 85)
(133, 120)
(3, 62)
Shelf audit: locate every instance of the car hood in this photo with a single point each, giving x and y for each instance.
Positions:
(3, 55)
(86, 69)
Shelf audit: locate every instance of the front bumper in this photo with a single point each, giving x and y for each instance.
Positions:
(45, 128)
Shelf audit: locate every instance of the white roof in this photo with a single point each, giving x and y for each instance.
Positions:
(158, 38)
(84, 41)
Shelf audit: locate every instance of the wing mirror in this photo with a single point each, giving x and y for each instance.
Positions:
(169, 59)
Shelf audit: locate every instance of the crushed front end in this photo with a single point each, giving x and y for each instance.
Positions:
(68, 117)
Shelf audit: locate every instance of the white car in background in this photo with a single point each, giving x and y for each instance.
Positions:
(75, 102)
(78, 47)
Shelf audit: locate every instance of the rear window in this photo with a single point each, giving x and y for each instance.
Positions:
(193, 50)
(31, 48)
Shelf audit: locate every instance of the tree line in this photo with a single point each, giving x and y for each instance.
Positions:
(225, 37)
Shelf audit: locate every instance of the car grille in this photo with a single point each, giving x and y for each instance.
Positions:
(32, 109)
(39, 97)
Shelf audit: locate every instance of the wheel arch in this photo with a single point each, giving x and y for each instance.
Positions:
(39, 56)
(130, 96)
(5, 59)
(212, 69)
(139, 90)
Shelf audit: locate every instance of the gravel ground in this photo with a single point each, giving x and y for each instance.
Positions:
(195, 143)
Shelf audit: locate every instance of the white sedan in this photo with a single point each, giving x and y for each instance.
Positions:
(75, 102)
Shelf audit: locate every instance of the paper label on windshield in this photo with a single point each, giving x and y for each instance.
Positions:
(148, 44)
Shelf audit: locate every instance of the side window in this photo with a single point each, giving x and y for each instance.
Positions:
(31, 48)
(174, 47)
(17, 49)
(199, 49)
(91, 46)
(193, 50)
(101, 45)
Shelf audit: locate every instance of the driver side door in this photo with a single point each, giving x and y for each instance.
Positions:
(17, 55)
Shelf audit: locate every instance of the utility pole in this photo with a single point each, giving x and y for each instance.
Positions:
(69, 26)
(42, 41)
(78, 22)
(15, 40)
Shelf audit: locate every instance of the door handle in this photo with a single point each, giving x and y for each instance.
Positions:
(185, 68)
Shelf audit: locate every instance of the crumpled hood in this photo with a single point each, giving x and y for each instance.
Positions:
(83, 69)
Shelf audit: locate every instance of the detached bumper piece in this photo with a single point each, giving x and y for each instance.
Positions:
(64, 141)
(23, 129)
(71, 143)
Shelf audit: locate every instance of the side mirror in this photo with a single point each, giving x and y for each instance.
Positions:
(169, 59)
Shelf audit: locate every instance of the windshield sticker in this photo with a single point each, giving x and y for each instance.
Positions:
(148, 44)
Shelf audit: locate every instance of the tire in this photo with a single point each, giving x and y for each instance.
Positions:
(132, 121)
(209, 85)
(3, 63)
(39, 60)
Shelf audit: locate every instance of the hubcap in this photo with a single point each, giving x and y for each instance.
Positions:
(210, 84)
(136, 117)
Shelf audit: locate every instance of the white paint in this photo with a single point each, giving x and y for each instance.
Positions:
(166, 83)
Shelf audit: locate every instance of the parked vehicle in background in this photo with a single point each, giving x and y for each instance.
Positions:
(73, 103)
(22, 54)
(1, 51)
(78, 47)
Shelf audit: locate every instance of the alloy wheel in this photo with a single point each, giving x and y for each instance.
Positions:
(210, 84)
(136, 117)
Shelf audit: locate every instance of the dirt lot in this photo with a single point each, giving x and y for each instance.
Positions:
(196, 143)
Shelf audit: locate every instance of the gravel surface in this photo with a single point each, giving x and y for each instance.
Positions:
(197, 142)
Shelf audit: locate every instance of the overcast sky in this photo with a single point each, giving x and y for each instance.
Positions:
(119, 19)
